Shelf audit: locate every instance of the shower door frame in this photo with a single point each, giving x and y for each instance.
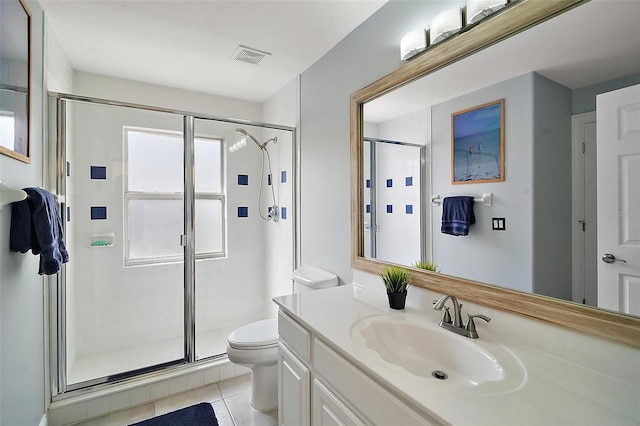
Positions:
(55, 180)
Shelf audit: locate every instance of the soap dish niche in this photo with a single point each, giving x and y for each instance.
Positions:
(102, 240)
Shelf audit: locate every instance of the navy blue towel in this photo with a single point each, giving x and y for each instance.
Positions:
(36, 224)
(457, 215)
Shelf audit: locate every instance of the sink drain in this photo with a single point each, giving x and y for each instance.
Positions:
(440, 375)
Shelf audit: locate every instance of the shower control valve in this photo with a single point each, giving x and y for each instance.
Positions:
(273, 213)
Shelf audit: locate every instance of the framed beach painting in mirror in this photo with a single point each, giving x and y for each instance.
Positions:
(477, 144)
(15, 72)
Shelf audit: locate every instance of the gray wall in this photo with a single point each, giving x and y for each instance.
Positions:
(584, 99)
(22, 380)
(510, 251)
(368, 53)
(551, 189)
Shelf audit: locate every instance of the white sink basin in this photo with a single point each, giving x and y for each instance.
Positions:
(411, 346)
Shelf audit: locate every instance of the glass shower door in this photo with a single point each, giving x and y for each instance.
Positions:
(123, 298)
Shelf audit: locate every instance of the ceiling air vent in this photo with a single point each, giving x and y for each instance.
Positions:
(250, 55)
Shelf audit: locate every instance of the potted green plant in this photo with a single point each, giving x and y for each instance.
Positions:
(426, 265)
(396, 281)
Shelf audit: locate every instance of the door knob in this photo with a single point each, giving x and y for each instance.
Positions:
(609, 258)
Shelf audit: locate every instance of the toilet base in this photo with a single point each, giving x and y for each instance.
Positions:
(264, 387)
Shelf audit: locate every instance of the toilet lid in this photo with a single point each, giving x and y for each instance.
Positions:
(255, 335)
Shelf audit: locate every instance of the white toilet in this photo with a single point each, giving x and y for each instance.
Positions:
(255, 345)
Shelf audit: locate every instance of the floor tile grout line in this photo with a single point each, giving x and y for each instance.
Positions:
(224, 400)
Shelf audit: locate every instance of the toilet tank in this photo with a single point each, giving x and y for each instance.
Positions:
(308, 278)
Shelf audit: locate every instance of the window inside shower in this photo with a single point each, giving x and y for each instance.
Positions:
(153, 196)
(166, 260)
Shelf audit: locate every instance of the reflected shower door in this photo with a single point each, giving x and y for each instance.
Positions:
(393, 201)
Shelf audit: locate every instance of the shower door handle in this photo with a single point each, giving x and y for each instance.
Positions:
(183, 240)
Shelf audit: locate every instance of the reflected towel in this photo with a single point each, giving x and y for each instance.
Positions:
(36, 224)
(457, 215)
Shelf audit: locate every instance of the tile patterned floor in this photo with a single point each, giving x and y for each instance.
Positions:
(230, 400)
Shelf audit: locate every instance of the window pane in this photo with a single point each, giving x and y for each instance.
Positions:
(155, 227)
(155, 162)
(208, 166)
(208, 226)
(7, 127)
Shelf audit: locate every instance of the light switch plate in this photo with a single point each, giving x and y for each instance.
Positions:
(498, 224)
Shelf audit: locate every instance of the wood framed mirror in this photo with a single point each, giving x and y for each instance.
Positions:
(518, 17)
(15, 76)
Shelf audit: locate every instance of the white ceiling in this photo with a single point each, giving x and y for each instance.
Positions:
(595, 42)
(190, 44)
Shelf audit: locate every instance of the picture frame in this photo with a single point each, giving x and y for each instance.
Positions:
(477, 144)
(15, 78)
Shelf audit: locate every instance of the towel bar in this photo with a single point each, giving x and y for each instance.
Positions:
(486, 199)
(10, 195)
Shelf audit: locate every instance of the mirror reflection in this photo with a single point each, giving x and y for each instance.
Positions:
(14, 80)
(393, 173)
(545, 231)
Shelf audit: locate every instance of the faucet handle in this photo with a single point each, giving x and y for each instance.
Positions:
(446, 316)
(471, 325)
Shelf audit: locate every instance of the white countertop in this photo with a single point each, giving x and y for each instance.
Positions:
(552, 391)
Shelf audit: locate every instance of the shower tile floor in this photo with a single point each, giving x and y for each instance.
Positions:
(230, 400)
(93, 366)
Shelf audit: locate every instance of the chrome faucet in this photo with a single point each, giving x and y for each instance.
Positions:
(468, 329)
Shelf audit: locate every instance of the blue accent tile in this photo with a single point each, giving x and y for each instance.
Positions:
(408, 181)
(368, 208)
(283, 176)
(269, 179)
(389, 183)
(283, 212)
(409, 209)
(389, 208)
(368, 183)
(243, 211)
(68, 214)
(243, 179)
(98, 213)
(98, 172)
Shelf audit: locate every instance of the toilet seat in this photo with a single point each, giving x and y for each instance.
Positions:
(257, 335)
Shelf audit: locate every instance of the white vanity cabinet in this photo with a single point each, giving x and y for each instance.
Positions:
(294, 375)
(293, 389)
(328, 409)
(318, 386)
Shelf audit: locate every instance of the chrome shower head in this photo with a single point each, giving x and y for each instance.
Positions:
(243, 142)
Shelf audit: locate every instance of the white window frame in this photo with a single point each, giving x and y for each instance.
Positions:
(129, 196)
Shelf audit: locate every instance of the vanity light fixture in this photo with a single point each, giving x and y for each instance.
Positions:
(446, 24)
(480, 9)
(413, 43)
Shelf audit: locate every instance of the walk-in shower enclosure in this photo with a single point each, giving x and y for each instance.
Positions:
(168, 250)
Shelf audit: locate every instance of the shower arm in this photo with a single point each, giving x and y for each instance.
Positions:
(263, 145)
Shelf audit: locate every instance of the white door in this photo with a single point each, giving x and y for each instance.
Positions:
(618, 128)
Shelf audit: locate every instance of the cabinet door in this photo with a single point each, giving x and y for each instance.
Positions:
(294, 392)
(328, 410)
